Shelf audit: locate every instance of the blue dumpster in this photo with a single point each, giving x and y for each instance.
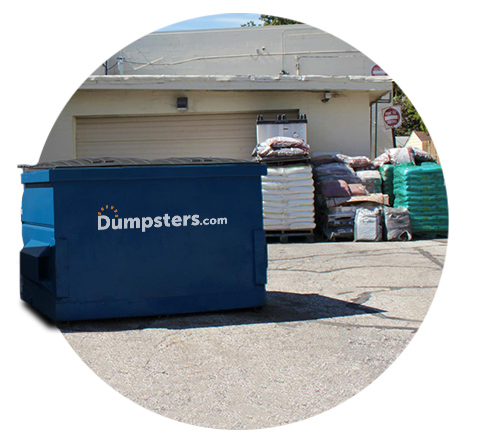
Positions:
(119, 237)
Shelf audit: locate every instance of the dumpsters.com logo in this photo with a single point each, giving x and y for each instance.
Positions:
(108, 218)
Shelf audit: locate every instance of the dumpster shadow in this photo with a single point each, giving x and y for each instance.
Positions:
(280, 307)
(44, 320)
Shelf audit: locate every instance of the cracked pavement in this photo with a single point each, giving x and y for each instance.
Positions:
(337, 315)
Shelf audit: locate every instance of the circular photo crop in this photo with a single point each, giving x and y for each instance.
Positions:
(237, 222)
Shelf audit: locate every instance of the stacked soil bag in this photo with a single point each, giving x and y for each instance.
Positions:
(371, 179)
(397, 224)
(280, 148)
(421, 189)
(343, 185)
(333, 183)
(403, 155)
(288, 198)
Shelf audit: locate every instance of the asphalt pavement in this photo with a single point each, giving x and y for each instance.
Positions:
(337, 315)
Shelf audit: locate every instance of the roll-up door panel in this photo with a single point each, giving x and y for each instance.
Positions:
(162, 136)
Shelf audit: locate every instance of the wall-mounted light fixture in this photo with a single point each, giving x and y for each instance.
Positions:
(327, 97)
(182, 103)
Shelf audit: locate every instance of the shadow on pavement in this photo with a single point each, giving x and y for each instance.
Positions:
(280, 307)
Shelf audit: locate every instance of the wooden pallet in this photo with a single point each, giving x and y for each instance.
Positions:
(286, 161)
(285, 236)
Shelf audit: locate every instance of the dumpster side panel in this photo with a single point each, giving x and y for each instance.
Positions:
(37, 205)
(186, 244)
(37, 258)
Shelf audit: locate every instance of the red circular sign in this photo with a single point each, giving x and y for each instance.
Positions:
(392, 117)
(377, 70)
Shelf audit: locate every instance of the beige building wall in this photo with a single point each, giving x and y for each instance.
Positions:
(342, 124)
(236, 70)
(261, 50)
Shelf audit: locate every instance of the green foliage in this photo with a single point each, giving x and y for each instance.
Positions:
(271, 20)
(411, 119)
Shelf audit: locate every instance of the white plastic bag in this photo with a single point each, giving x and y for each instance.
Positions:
(368, 226)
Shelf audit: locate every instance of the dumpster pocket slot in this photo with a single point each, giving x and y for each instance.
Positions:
(34, 263)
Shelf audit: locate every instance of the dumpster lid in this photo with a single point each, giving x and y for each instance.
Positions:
(122, 162)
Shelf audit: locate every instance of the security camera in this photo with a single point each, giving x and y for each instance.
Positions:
(327, 97)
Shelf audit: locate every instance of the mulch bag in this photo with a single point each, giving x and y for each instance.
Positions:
(281, 147)
(358, 162)
(286, 142)
(335, 171)
(336, 188)
(371, 179)
(422, 157)
(397, 155)
(382, 159)
(368, 224)
(397, 224)
(402, 155)
(318, 158)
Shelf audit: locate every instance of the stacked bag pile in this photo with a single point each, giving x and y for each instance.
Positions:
(399, 194)
(368, 220)
(421, 190)
(288, 198)
(288, 190)
(416, 188)
(387, 161)
(343, 185)
(333, 184)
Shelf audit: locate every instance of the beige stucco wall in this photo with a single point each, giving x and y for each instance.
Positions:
(262, 50)
(342, 124)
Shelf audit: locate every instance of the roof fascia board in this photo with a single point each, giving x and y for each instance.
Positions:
(237, 82)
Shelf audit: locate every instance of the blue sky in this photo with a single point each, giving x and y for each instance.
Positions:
(213, 22)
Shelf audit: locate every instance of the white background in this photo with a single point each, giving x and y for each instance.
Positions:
(430, 392)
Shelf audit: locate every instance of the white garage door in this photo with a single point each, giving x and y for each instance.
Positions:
(216, 135)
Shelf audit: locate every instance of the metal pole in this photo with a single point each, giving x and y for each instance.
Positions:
(376, 128)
